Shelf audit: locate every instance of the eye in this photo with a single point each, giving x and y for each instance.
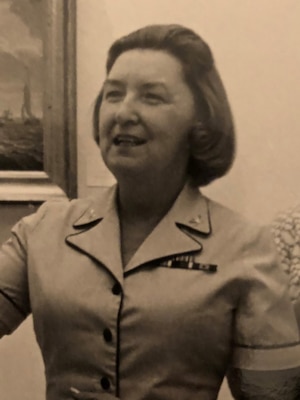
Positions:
(153, 98)
(113, 95)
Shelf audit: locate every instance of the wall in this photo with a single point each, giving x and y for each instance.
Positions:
(256, 45)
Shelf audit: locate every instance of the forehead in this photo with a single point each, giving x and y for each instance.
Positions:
(146, 64)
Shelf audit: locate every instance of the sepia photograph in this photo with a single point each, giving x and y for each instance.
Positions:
(149, 200)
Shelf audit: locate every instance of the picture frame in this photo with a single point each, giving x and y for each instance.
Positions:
(58, 177)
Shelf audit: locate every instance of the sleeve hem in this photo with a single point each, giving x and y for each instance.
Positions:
(267, 359)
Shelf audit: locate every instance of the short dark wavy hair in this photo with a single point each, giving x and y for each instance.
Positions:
(213, 139)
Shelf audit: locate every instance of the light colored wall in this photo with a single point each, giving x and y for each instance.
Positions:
(256, 45)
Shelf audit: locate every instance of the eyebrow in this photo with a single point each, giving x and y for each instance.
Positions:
(155, 84)
(113, 82)
(146, 85)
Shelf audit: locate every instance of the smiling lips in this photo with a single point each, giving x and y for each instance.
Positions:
(128, 140)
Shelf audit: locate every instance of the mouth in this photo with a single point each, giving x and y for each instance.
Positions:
(128, 140)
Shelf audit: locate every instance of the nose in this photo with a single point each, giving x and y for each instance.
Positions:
(127, 111)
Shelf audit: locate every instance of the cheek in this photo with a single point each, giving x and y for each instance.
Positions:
(170, 129)
(105, 121)
(180, 125)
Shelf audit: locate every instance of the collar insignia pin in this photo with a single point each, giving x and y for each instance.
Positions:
(92, 213)
(196, 220)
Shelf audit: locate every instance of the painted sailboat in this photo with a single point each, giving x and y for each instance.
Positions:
(26, 111)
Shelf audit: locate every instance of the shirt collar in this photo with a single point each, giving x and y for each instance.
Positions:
(191, 209)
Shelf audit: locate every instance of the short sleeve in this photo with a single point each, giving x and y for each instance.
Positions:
(266, 335)
(266, 356)
(14, 291)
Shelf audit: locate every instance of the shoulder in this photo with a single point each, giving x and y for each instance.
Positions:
(65, 212)
(237, 228)
(243, 248)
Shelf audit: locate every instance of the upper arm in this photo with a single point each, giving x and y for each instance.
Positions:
(14, 297)
(14, 291)
(266, 335)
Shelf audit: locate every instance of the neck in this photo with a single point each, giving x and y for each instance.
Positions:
(147, 198)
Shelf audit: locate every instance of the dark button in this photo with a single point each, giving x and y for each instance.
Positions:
(116, 289)
(105, 383)
(107, 335)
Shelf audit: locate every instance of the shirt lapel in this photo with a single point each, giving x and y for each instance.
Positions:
(97, 233)
(174, 233)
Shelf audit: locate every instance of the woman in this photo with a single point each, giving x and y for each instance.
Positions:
(151, 290)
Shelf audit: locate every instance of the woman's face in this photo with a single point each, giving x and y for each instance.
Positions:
(146, 115)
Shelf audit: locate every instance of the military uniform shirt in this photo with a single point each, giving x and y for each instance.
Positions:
(201, 294)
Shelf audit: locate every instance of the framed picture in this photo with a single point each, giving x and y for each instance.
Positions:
(37, 100)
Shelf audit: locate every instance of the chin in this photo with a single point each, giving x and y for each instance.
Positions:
(123, 166)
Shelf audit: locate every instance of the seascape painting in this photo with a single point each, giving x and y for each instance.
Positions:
(21, 85)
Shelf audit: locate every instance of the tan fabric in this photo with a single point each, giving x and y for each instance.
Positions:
(203, 292)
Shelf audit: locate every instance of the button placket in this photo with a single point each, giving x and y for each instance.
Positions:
(110, 341)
